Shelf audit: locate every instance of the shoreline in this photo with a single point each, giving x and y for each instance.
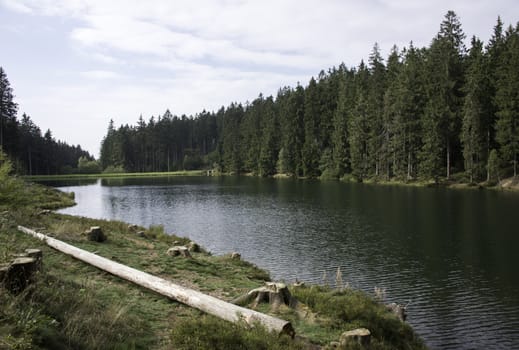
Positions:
(510, 184)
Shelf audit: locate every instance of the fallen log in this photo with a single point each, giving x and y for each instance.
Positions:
(193, 298)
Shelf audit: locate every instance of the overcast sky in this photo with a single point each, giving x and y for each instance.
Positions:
(75, 64)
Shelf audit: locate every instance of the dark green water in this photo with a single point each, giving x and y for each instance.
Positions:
(452, 254)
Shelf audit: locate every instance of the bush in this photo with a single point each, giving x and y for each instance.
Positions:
(114, 169)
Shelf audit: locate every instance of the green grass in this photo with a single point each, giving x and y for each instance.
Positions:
(114, 175)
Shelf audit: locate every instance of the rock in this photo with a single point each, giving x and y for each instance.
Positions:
(361, 336)
(179, 250)
(132, 227)
(95, 234)
(193, 247)
(400, 311)
(235, 256)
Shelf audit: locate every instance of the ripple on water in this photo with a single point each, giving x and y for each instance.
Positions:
(458, 277)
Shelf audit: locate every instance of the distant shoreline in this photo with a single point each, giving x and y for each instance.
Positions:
(509, 184)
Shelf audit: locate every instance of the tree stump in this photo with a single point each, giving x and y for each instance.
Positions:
(3, 273)
(95, 234)
(400, 311)
(235, 256)
(193, 247)
(36, 254)
(141, 234)
(19, 274)
(276, 294)
(179, 250)
(361, 336)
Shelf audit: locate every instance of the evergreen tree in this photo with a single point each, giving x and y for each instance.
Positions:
(358, 125)
(476, 108)
(311, 151)
(392, 109)
(444, 91)
(494, 54)
(345, 102)
(507, 99)
(270, 145)
(8, 110)
(375, 110)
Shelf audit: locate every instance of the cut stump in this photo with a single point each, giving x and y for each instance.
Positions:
(361, 336)
(276, 294)
(95, 234)
(19, 274)
(398, 310)
(179, 250)
(36, 254)
(193, 247)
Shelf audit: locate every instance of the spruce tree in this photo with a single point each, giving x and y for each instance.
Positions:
(507, 99)
(375, 111)
(444, 90)
(345, 102)
(475, 109)
(8, 110)
(311, 152)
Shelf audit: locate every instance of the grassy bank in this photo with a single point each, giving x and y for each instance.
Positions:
(75, 306)
(114, 175)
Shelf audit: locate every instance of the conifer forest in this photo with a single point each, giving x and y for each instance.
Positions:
(430, 113)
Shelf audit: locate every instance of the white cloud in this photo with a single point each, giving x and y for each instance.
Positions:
(100, 74)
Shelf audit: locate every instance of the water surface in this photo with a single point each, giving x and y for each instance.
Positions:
(452, 254)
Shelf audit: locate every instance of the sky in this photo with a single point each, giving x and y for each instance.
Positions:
(76, 64)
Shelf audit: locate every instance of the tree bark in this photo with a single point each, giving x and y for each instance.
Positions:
(198, 300)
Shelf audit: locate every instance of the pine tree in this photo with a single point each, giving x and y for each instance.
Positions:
(8, 110)
(476, 108)
(494, 53)
(269, 143)
(444, 91)
(358, 125)
(345, 102)
(375, 111)
(311, 150)
(507, 99)
(392, 109)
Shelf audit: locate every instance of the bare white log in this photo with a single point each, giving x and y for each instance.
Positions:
(193, 298)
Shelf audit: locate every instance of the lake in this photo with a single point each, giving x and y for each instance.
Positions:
(453, 255)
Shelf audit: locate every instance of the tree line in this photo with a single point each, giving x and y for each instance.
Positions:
(428, 113)
(30, 151)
